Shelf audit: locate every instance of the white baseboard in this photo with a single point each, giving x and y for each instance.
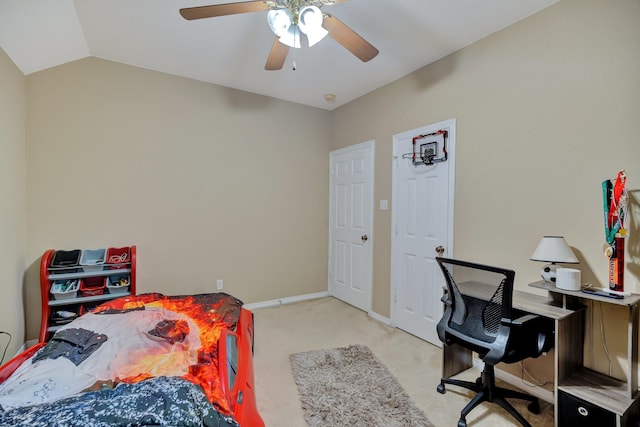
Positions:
(288, 300)
(306, 297)
(380, 318)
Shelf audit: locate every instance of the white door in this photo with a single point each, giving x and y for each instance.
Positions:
(422, 221)
(350, 224)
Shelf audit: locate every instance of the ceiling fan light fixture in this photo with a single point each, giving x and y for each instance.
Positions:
(292, 38)
(280, 21)
(310, 23)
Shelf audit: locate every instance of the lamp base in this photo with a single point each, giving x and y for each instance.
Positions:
(548, 273)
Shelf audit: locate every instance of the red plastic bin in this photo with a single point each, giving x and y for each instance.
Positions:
(118, 258)
(91, 286)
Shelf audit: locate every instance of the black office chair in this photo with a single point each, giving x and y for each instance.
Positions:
(479, 316)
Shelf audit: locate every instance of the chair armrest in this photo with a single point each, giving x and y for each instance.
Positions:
(520, 321)
(531, 335)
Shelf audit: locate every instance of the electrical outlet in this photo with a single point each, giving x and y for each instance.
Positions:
(219, 284)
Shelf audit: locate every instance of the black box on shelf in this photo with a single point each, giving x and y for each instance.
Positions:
(65, 261)
(574, 411)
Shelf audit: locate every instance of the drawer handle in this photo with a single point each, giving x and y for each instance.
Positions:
(583, 411)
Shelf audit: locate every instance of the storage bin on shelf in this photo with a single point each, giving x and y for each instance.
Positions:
(87, 307)
(92, 259)
(118, 258)
(64, 314)
(90, 286)
(118, 283)
(65, 289)
(65, 261)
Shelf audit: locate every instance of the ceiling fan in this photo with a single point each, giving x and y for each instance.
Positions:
(291, 20)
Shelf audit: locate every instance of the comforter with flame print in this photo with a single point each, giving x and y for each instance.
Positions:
(158, 365)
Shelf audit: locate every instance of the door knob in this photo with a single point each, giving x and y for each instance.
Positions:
(440, 250)
(364, 238)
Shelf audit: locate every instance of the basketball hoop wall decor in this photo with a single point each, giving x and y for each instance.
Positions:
(429, 148)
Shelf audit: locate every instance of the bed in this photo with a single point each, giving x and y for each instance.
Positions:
(149, 359)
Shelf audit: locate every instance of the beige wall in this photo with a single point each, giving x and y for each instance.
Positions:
(209, 182)
(546, 109)
(12, 203)
(215, 183)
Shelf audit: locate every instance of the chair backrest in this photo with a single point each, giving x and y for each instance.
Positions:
(478, 298)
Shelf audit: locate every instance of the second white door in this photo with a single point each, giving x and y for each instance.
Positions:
(350, 224)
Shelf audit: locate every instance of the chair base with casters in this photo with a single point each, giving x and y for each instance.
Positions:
(487, 391)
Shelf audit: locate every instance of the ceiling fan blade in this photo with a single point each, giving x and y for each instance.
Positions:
(348, 38)
(277, 56)
(200, 12)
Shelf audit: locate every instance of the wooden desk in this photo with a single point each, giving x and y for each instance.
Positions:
(611, 394)
(570, 376)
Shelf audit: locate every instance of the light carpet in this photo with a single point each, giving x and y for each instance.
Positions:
(349, 386)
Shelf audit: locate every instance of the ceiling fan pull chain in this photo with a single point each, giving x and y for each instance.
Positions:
(294, 55)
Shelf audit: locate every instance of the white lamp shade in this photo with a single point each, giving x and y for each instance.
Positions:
(554, 249)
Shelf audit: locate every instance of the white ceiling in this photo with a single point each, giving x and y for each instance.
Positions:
(232, 50)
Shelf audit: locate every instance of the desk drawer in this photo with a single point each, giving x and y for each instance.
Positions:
(573, 412)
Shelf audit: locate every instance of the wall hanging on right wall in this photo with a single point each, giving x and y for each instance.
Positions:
(615, 203)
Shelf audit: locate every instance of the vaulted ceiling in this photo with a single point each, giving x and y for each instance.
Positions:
(232, 50)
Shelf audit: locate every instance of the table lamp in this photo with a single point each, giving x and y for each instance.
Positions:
(553, 249)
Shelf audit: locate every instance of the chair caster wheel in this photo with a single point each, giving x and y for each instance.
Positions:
(462, 422)
(440, 389)
(534, 407)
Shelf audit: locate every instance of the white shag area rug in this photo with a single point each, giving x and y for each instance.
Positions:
(350, 387)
